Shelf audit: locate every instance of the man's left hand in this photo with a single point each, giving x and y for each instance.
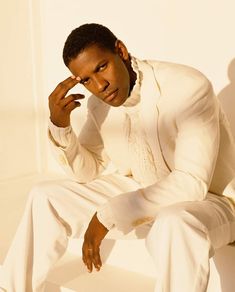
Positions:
(93, 237)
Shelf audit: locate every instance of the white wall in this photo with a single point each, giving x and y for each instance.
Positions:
(18, 129)
(198, 33)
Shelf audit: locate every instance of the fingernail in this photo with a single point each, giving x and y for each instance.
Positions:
(78, 78)
(98, 267)
(73, 77)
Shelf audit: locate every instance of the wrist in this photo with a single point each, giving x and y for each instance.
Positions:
(60, 124)
(104, 217)
(60, 136)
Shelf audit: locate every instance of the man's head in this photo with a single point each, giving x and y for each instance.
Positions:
(94, 54)
(85, 36)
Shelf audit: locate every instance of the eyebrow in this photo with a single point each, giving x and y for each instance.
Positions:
(95, 69)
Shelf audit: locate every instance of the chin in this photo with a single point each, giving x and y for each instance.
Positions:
(119, 102)
(116, 104)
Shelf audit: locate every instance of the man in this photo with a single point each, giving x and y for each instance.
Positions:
(162, 130)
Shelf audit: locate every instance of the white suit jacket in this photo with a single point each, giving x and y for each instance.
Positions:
(188, 134)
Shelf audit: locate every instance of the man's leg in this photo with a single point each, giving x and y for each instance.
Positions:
(54, 211)
(183, 238)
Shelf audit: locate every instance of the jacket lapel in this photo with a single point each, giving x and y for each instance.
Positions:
(149, 112)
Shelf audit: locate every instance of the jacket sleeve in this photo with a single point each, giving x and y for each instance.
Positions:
(81, 157)
(197, 143)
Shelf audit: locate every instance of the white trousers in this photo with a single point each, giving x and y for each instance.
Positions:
(181, 240)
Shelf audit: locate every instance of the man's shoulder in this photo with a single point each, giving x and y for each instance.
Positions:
(180, 84)
(165, 70)
(182, 79)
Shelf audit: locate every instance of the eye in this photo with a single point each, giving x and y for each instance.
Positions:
(102, 67)
(85, 81)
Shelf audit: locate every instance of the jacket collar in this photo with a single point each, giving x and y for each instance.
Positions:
(149, 111)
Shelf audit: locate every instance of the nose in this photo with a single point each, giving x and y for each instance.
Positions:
(101, 84)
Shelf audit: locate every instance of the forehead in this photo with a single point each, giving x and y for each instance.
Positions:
(89, 59)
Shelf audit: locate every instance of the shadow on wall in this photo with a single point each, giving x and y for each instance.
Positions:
(227, 96)
(224, 260)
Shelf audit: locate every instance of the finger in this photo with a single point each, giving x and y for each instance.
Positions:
(87, 255)
(87, 259)
(96, 258)
(72, 105)
(89, 264)
(63, 87)
(64, 102)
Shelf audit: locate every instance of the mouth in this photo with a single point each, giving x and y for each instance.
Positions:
(111, 96)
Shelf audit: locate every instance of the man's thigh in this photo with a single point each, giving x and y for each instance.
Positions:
(76, 203)
(216, 215)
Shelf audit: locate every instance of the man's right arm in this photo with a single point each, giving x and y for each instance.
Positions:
(81, 159)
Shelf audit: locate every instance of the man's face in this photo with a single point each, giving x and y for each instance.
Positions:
(103, 73)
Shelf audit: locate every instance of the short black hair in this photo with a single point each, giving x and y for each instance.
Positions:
(86, 35)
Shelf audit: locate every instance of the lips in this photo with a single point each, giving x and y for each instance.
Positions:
(111, 95)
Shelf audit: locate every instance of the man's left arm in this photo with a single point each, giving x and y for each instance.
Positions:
(195, 157)
(93, 237)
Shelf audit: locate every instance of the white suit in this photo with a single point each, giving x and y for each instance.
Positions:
(191, 200)
(187, 132)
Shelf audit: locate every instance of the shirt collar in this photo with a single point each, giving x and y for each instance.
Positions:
(134, 97)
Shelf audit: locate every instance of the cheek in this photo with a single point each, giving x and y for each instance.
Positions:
(125, 81)
(120, 73)
(89, 88)
(123, 77)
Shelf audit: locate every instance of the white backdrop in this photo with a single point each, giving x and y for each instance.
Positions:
(198, 33)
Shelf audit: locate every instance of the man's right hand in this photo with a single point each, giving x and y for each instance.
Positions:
(61, 105)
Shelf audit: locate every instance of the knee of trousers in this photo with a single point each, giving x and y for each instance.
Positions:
(44, 190)
(174, 223)
(55, 198)
(42, 198)
(41, 195)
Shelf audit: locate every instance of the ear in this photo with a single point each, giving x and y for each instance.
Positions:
(121, 50)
